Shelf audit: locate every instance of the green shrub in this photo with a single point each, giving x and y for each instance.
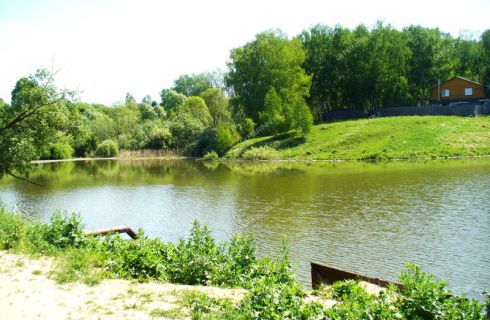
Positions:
(185, 130)
(158, 138)
(107, 148)
(199, 250)
(246, 128)
(205, 307)
(211, 156)
(60, 151)
(138, 259)
(423, 297)
(260, 153)
(64, 231)
(226, 137)
(11, 226)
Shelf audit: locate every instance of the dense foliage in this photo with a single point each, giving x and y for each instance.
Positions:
(366, 69)
(273, 85)
(273, 292)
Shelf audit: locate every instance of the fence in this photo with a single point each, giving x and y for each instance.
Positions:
(460, 109)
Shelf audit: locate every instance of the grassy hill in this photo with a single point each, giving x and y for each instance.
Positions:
(379, 138)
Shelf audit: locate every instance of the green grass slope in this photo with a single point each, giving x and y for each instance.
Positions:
(382, 138)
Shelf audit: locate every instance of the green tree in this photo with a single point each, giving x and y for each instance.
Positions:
(126, 119)
(485, 57)
(270, 61)
(217, 104)
(193, 85)
(272, 118)
(197, 109)
(31, 122)
(171, 99)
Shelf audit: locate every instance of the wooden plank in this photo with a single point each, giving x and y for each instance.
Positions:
(121, 229)
(321, 273)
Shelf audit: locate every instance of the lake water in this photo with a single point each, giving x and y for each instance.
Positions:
(362, 217)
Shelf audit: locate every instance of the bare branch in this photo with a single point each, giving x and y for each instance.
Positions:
(24, 179)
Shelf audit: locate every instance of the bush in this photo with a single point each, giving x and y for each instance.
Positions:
(185, 130)
(138, 259)
(11, 226)
(60, 151)
(64, 231)
(226, 137)
(423, 297)
(200, 250)
(158, 138)
(247, 127)
(211, 156)
(107, 148)
(260, 153)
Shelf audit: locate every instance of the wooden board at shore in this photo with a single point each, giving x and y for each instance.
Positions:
(321, 273)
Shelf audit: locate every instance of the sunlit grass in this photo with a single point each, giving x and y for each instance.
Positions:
(382, 138)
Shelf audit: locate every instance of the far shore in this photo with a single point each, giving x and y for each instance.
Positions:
(251, 161)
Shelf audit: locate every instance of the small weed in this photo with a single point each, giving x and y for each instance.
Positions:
(175, 313)
(36, 272)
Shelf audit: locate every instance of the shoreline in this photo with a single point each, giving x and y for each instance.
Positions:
(300, 160)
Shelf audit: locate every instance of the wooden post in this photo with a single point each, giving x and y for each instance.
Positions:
(121, 229)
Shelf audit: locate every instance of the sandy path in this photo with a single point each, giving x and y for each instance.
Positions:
(27, 292)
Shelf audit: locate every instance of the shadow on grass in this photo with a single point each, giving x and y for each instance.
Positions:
(281, 141)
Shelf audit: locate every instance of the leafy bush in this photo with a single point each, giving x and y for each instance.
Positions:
(139, 259)
(107, 148)
(423, 297)
(211, 156)
(260, 153)
(185, 130)
(192, 261)
(11, 226)
(226, 137)
(158, 138)
(60, 151)
(64, 231)
(246, 128)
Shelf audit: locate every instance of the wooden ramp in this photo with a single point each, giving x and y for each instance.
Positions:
(121, 229)
(321, 273)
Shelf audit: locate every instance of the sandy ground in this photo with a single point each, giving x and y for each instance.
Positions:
(27, 292)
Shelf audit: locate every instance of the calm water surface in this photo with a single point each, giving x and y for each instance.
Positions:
(363, 217)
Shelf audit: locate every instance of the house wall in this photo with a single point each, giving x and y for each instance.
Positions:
(456, 88)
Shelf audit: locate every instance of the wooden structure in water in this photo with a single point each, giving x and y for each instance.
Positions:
(321, 273)
(121, 229)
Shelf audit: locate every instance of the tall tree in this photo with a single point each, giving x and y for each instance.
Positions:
(271, 61)
(218, 105)
(31, 122)
(194, 84)
(485, 57)
(171, 99)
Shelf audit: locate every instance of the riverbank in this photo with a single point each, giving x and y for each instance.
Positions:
(257, 288)
(389, 138)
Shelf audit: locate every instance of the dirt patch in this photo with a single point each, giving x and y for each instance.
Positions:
(27, 292)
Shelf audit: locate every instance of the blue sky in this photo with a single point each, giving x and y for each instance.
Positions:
(107, 48)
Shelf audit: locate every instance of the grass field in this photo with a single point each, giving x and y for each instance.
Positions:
(406, 137)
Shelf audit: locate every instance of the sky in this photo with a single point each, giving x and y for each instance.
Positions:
(106, 48)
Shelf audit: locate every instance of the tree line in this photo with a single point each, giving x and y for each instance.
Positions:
(273, 84)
